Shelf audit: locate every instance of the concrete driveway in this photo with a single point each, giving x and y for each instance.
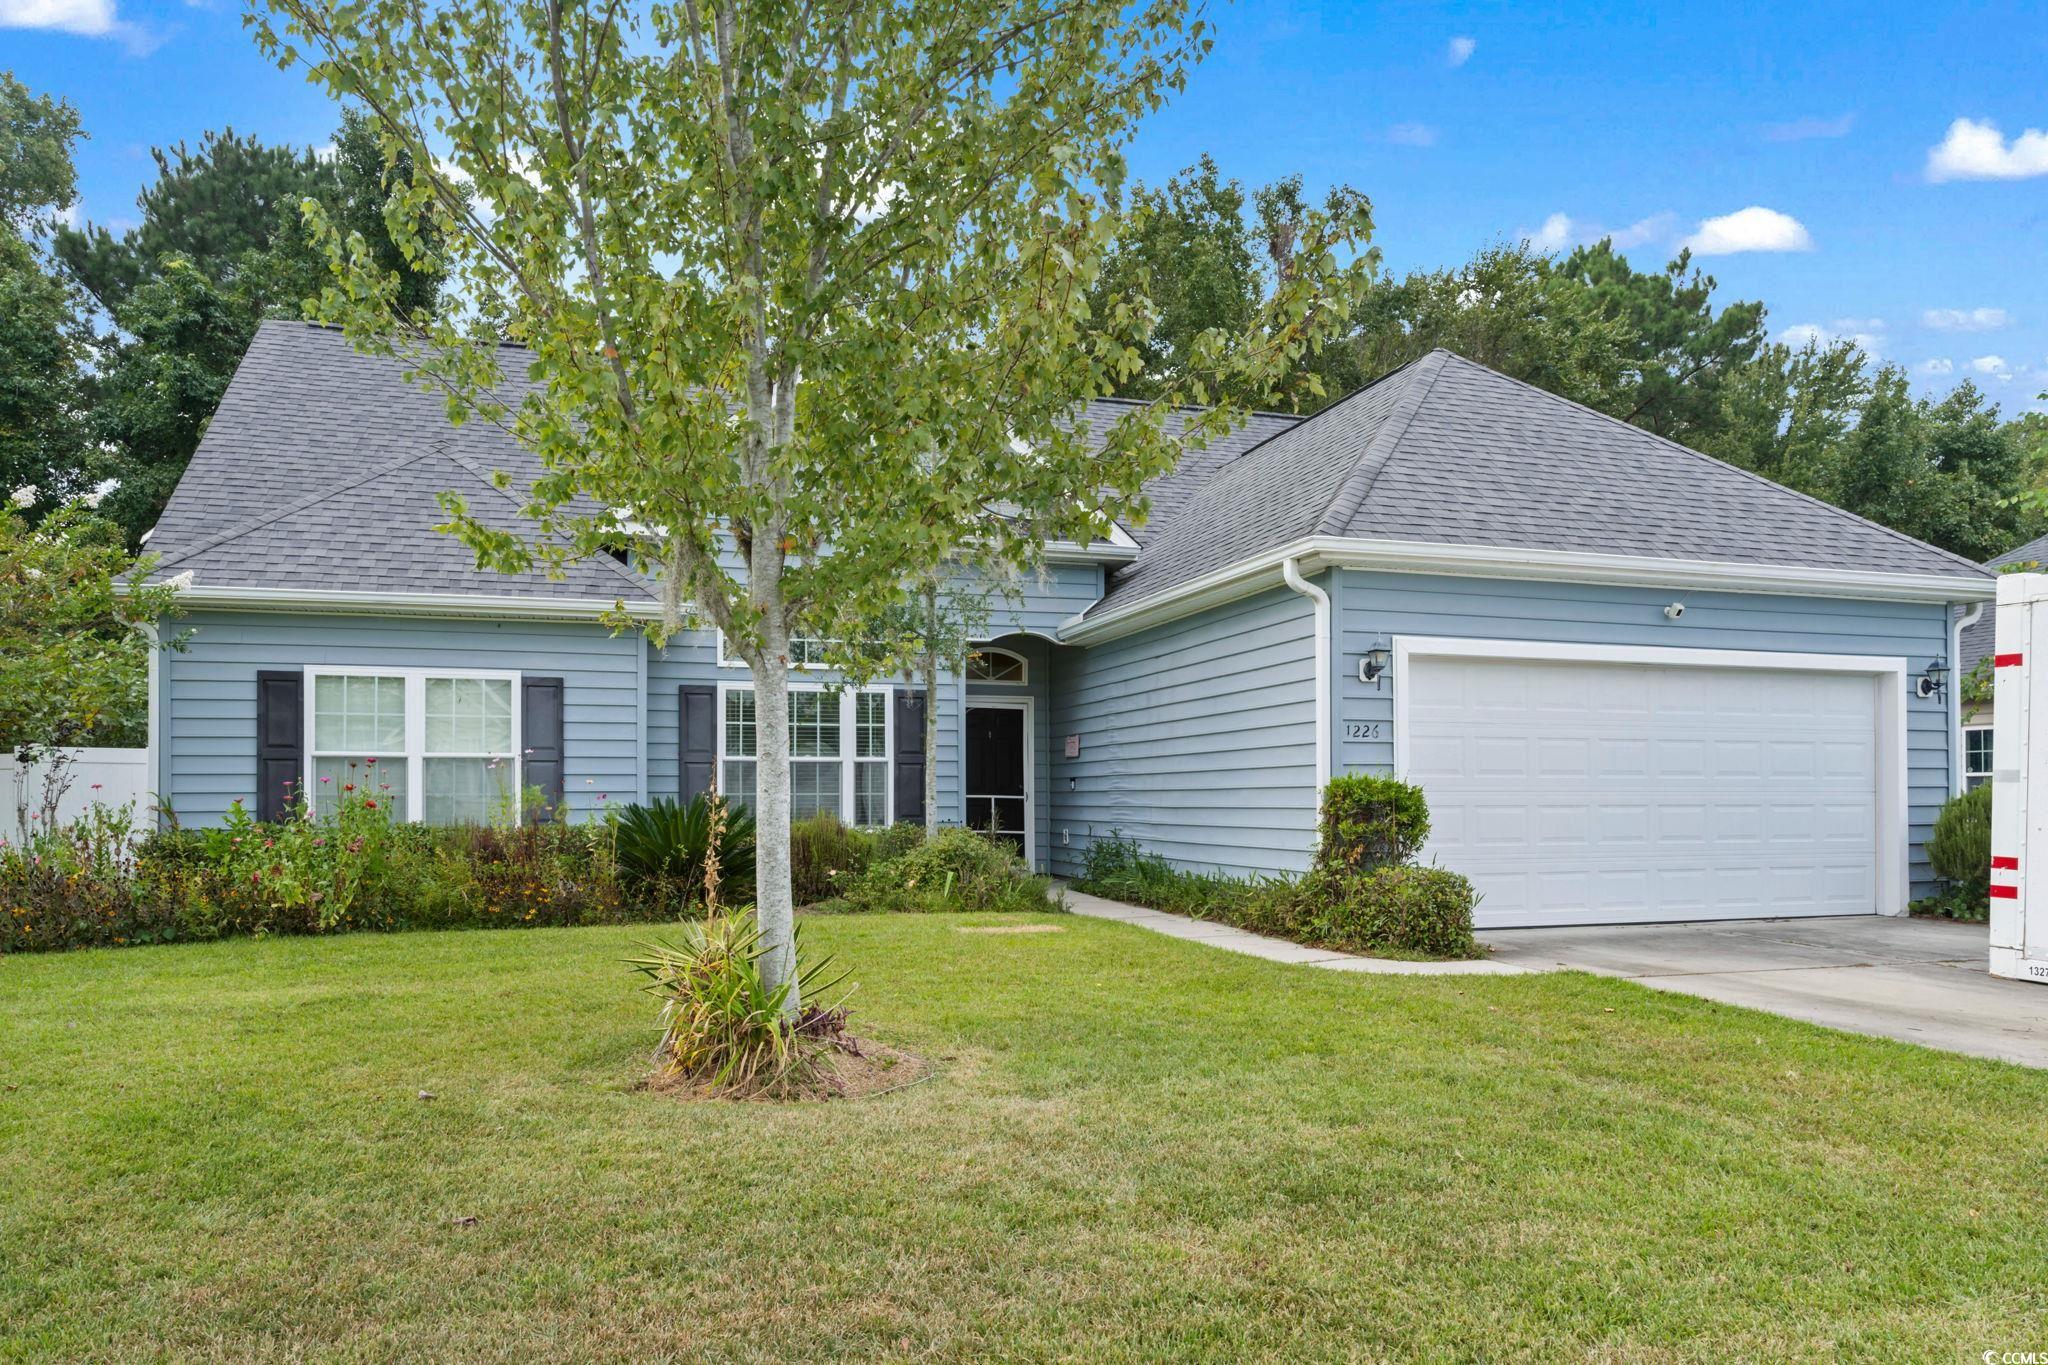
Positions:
(1921, 981)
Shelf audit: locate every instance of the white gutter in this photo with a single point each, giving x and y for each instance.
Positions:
(1291, 572)
(411, 603)
(1957, 626)
(1313, 553)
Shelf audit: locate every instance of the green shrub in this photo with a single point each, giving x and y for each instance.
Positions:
(1960, 852)
(826, 856)
(75, 887)
(1370, 821)
(956, 869)
(722, 1027)
(1402, 911)
(1122, 870)
(662, 843)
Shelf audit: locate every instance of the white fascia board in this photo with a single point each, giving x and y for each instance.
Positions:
(410, 603)
(1315, 553)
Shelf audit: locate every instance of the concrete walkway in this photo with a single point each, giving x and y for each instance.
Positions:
(1271, 949)
(1920, 981)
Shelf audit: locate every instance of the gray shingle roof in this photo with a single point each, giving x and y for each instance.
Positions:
(1977, 640)
(1444, 450)
(320, 470)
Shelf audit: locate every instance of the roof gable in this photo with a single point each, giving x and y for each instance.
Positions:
(1447, 451)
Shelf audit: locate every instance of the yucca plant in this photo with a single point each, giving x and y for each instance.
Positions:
(666, 840)
(723, 1026)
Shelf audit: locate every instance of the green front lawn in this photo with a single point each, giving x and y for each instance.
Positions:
(1138, 1147)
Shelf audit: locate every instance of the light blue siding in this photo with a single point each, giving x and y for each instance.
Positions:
(1372, 608)
(1197, 739)
(208, 721)
(1041, 602)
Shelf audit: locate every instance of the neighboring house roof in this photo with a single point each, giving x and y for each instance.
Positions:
(1977, 639)
(1446, 451)
(1169, 493)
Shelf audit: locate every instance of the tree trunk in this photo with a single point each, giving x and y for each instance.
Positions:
(931, 743)
(774, 903)
(931, 712)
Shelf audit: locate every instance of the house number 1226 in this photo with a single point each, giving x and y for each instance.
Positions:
(1364, 729)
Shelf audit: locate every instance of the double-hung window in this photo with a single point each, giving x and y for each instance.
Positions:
(838, 751)
(1976, 755)
(439, 746)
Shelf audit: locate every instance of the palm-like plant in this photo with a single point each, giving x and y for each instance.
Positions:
(723, 1025)
(666, 840)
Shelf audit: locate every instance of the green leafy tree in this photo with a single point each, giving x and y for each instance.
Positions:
(74, 654)
(1680, 352)
(1945, 471)
(1508, 309)
(161, 378)
(43, 345)
(1190, 249)
(806, 284)
(37, 178)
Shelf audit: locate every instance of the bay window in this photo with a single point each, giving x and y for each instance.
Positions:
(838, 752)
(432, 745)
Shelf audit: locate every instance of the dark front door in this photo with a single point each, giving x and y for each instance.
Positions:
(995, 772)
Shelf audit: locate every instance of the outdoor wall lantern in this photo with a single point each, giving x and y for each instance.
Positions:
(1934, 682)
(1374, 664)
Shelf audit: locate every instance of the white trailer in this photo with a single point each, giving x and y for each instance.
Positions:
(2019, 778)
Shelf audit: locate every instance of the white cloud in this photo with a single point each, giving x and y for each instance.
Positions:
(1800, 129)
(1460, 49)
(1752, 229)
(1561, 232)
(1938, 365)
(87, 18)
(1965, 319)
(1978, 151)
(1412, 135)
(1866, 334)
(1991, 364)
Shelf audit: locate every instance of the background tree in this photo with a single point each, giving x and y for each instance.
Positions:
(809, 284)
(74, 661)
(1190, 249)
(43, 344)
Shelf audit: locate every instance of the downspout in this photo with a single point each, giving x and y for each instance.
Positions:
(1957, 625)
(1291, 571)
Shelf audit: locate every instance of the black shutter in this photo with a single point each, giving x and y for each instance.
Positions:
(696, 739)
(280, 740)
(909, 723)
(540, 725)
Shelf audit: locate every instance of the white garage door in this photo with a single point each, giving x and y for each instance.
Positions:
(1604, 793)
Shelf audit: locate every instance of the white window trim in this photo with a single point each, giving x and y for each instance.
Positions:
(726, 660)
(1968, 771)
(1030, 741)
(1023, 678)
(1888, 674)
(849, 742)
(416, 730)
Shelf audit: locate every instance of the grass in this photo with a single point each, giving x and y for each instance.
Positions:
(1138, 1148)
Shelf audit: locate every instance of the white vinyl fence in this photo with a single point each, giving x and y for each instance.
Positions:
(110, 776)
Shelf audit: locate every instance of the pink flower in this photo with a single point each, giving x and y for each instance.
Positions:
(95, 786)
(370, 762)
(326, 779)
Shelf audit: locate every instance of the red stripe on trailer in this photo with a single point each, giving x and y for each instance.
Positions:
(2005, 862)
(2004, 893)
(2006, 660)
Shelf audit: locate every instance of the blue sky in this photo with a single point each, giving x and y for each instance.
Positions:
(1871, 170)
